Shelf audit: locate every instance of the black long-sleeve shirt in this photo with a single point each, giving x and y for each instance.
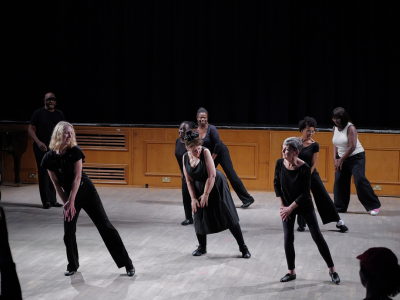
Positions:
(212, 141)
(180, 150)
(294, 186)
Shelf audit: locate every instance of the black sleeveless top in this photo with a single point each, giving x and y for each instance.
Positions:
(199, 173)
(306, 154)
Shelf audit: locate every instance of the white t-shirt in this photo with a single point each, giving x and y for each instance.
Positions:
(341, 141)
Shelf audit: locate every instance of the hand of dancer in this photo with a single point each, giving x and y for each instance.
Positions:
(69, 210)
(285, 213)
(203, 200)
(195, 204)
(338, 164)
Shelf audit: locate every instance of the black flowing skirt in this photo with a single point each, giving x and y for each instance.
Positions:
(220, 214)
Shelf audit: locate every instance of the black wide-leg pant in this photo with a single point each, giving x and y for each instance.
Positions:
(187, 201)
(354, 166)
(326, 207)
(288, 229)
(94, 208)
(234, 229)
(46, 187)
(224, 159)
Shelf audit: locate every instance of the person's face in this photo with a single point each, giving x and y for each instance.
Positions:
(67, 135)
(50, 101)
(337, 121)
(308, 132)
(182, 130)
(288, 153)
(194, 150)
(202, 118)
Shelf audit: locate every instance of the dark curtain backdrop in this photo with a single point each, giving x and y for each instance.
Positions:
(247, 62)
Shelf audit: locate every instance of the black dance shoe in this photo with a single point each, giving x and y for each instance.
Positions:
(69, 273)
(288, 277)
(56, 204)
(335, 277)
(301, 229)
(245, 251)
(247, 204)
(47, 205)
(342, 228)
(199, 251)
(130, 271)
(187, 222)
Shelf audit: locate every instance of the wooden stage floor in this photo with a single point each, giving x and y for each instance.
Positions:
(148, 221)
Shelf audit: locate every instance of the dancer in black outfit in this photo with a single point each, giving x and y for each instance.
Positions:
(379, 273)
(220, 154)
(309, 154)
(292, 186)
(212, 204)
(40, 129)
(349, 158)
(10, 287)
(180, 150)
(76, 190)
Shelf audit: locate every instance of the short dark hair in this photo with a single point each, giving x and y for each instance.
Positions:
(201, 110)
(340, 113)
(189, 123)
(308, 121)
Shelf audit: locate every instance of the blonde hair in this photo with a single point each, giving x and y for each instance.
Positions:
(57, 136)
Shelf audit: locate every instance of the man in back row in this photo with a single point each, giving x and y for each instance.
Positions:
(40, 129)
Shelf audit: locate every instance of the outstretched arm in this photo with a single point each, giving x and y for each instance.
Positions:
(60, 192)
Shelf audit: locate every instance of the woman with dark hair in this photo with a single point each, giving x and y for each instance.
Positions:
(76, 190)
(212, 204)
(379, 273)
(220, 154)
(309, 154)
(349, 158)
(180, 150)
(292, 187)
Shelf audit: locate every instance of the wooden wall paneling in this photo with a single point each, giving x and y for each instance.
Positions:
(154, 157)
(28, 162)
(382, 152)
(108, 155)
(157, 156)
(249, 151)
(148, 156)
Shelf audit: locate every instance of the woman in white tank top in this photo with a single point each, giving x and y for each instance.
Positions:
(349, 158)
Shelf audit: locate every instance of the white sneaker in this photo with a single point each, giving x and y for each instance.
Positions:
(374, 212)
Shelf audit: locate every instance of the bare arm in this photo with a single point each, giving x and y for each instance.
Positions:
(32, 133)
(352, 136)
(210, 180)
(314, 161)
(59, 190)
(69, 206)
(190, 185)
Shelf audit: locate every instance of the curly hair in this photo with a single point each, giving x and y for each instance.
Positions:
(308, 121)
(192, 139)
(57, 136)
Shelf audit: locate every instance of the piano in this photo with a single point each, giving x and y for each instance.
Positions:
(15, 143)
